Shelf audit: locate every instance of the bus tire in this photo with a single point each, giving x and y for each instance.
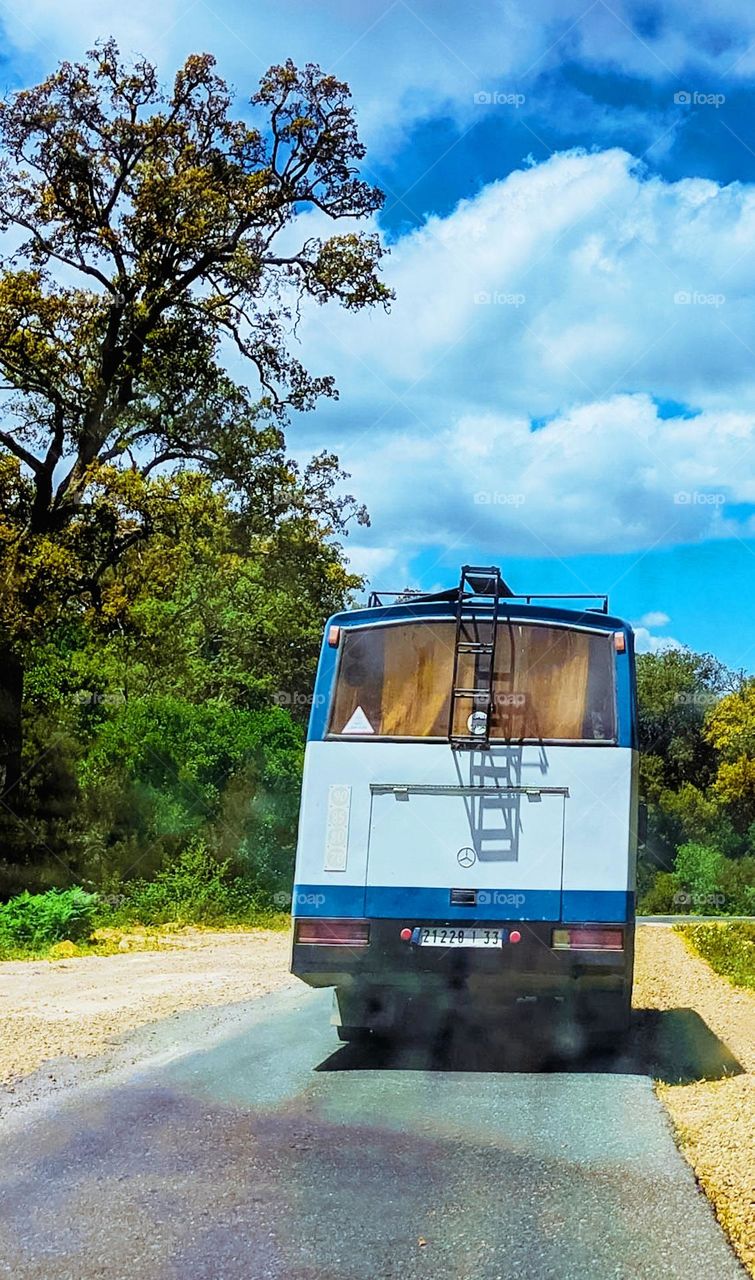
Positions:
(352, 1035)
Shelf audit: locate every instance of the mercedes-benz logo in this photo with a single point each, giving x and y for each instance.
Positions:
(466, 857)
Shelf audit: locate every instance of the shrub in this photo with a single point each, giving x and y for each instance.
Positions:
(162, 774)
(660, 897)
(192, 889)
(698, 869)
(738, 886)
(729, 948)
(35, 921)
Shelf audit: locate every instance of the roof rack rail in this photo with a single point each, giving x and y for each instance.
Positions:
(380, 599)
(576, 595)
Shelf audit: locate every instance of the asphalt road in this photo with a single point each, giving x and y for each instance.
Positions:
(261, 1148)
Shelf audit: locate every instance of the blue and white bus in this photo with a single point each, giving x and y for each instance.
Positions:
(468, 824)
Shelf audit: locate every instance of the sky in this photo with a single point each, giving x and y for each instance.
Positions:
(565, 384)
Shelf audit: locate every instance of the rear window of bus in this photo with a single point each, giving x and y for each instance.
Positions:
(550, 683)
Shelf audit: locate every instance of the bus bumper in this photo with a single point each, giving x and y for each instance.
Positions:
(381, 983)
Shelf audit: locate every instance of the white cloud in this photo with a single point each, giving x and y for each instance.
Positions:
(644, 642)
(653, 619)
(411, 59)
(552, 297)
(370, 561)
(569, 281)
(608, 476)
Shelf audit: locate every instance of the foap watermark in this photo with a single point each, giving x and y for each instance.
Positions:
(509, 699)
(696, 698)
(695, 498)
(684, 899)
(498, 98)
(284, 698)
(483, 298)
(302, 899)
(695, 98)
(694, 298)
(496, 498)
(499, 898)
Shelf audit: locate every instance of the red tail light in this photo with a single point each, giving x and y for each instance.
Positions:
(333, 933)
(588, 939)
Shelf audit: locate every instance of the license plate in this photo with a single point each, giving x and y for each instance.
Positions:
(461, 937)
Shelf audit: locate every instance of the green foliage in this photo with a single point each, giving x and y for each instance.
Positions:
(728, 948)
(148, 722)
(194, 888)
(696, 778)
(149, 231)
(660, 897)
(675, 691)
(165, 567)
(703, 883)
(162, 771)
(731, 731)
(737, 885)
(698, 870)
(35, 921)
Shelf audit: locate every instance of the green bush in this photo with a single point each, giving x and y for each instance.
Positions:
(660, 897)
(162, 774)
(729, 948)
(192, 889)
(698, 869)
(738, 886)
(35, 921)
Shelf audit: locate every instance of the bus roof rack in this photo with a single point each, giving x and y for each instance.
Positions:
(479, 583)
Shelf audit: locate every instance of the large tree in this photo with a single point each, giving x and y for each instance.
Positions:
(151, 230)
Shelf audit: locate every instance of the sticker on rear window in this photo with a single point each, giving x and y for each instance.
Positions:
(358, 723)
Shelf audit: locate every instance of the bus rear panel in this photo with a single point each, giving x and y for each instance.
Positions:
(468, 824)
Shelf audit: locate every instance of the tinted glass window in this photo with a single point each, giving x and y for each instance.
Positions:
(550, 682)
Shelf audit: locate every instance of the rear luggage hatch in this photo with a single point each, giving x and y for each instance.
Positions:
(465, 852)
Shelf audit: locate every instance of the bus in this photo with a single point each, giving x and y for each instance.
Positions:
(468, 826)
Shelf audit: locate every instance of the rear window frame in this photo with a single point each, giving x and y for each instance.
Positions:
(485, 744)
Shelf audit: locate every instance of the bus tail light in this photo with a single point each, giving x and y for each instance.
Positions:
(588, 939)
(333, 933)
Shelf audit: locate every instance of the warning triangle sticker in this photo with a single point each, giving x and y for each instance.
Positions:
(358, 723)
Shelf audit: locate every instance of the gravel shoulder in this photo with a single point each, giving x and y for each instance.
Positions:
(52, 1009)
(714, 1120)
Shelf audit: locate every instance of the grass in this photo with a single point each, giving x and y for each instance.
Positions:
(195, 890)
(729, 948)
(111, 941)
(36, 921)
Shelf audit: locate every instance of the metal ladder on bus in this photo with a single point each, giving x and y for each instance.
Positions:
(477, 584)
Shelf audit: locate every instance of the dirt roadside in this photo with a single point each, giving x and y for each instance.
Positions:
(77, 1008)
(714, 1120)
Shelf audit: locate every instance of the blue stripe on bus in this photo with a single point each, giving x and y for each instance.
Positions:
(584, 906)
(328, 900)
(429, 904)
(388, 903)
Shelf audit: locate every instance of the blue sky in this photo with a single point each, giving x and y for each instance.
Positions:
(566, 382)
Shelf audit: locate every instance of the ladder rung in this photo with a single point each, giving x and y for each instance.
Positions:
(472, 693)
(472, 646)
